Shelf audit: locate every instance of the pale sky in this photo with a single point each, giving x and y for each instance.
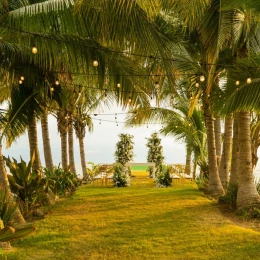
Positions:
(100, 145)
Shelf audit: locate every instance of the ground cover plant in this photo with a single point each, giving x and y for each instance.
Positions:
(139, 222)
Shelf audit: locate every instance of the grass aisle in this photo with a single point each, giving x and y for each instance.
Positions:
(137, 223)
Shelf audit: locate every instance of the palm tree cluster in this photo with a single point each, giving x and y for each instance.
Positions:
(197, 60)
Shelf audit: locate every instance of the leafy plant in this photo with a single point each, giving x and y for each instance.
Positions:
(7, 207)
(28, 185)
(121, 176)
(10, 233)
(202, 183)
(230, 197)
(163, 179)
(60, 182)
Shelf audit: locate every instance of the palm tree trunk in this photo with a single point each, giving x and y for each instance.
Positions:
(188, 160)
(224, 167)
(33, 143)
(46, 141)
(247, 195)
(64, 150)
(215, 186)
(235, 152)
(218, 137)
(83, 158)
(71, 149)
(4, 185)
(194, 169)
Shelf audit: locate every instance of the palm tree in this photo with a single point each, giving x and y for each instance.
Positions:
(224, 167)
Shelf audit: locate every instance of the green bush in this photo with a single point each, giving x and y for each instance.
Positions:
(60, 182)
(28, 185)
(121, 176)
(163, 178)
(7, 208)
(202, 183)
(230, 197)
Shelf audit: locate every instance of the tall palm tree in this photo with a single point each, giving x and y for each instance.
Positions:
(224, 167)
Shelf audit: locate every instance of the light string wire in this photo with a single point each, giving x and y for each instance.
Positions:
(114, 51)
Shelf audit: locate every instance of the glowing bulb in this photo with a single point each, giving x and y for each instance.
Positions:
(20, 81)
(34, 50)
(197, 85)
(57, 82)
(51, 89)
(22, 78)
(248, 80)
(202, 78)
(237, 82)
(118, 85)
(95, 63)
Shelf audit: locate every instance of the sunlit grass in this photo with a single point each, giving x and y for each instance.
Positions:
(138, 222)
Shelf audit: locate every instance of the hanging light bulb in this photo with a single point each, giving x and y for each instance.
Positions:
(237, 82)
(51, 89)
(22, 78)
(118, 85)
(34, 49)
(95, 63)
(197, 85)
(57, 82)
(202, 78)
(20, 82)
(248, 80)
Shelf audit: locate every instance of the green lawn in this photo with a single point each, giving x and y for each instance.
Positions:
(139, 168)
(139, 222)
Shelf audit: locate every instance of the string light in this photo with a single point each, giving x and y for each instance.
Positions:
(95, 63)
(22, 78)
(20, 82)
(248, 80)
(202, 78)
(57, 82)
(197, 85)
(106, 49)
(118, 85)
(34, 49)
(237, 82)
(51, 89)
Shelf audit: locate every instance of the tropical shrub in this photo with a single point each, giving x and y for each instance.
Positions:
(230, 197)
(8, 233)
(61, 182)
(7, 208)
(121, 176)
(202, 183)
(28, 185)
(163, 179)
